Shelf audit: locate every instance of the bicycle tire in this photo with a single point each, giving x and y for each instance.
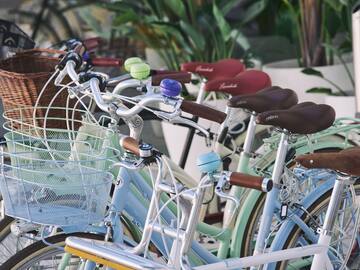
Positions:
(39, 249)
(8, 247)
(130, 231)
(291, 238)
(5, 226)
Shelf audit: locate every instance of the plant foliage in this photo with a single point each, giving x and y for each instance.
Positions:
(180, 30)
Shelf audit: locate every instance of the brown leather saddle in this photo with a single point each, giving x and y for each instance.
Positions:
(271, 98)
(304, 118)
(346, 161)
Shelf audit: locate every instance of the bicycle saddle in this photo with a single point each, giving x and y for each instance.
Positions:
(302, 118)
(346, 161)
(271, 98)
(246, 82)
(225, 68)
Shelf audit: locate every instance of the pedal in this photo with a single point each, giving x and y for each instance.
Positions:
(20, 227)
(109, 254)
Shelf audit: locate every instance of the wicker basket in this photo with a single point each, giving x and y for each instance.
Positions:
(23, 76)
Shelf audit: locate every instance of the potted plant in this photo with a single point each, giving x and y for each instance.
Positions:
(322, 31)
(179, 30)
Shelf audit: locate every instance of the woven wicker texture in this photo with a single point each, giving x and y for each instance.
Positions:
(23, 76)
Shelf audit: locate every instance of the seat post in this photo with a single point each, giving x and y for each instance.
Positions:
(250, 135)
(271, 197)
(243, 167)
(190, 134)
(321, 260)
(201, 95)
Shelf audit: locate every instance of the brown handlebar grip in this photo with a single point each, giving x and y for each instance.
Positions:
(250, 181)
(131, 145)
(203, 111)
(106, 62)
(182, 77)
(92, 43)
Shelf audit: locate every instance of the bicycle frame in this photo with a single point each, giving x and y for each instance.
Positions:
(225, 235)
(321, 260)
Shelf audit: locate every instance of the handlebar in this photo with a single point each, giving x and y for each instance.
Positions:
(95, 89)
(203, 111)
(70, 69)
(187, 106)
(226, 179)
(250, 181)
(131, 145)
(151, 99)
(96, 83)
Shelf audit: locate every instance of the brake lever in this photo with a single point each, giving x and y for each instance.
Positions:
(175, 117)
(224, 184)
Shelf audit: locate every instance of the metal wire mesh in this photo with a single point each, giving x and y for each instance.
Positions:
(57, 176)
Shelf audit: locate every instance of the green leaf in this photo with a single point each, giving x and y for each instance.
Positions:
(343, 48)
(229, 4)
(311, 71)
(335, 4)
(319, 90)
(240, 39)
(254, 10)
(195, 37)
(176, 6)
(93, 23)
(221, 22)
(122, 6)
(128, 16)
(173, 32)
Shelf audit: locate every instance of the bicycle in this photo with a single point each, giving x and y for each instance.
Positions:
(134, 109)
(220, 231)
(110, 255)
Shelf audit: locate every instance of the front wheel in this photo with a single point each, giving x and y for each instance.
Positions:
(44, 256)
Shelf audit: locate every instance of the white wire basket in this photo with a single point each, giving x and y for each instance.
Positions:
(50, 192)
(54, 176)
(86, 138)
